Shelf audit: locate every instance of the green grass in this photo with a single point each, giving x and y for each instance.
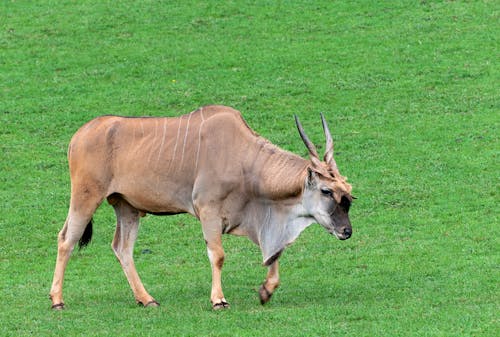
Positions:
(410, 90)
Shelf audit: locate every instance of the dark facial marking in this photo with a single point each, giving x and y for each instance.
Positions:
(345, 203)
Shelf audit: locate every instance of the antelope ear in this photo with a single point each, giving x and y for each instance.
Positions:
(312, 177)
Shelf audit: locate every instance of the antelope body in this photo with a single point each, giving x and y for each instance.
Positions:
(210, 164)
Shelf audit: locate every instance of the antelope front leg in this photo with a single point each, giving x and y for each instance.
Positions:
(270, 284)
(212, 232)
(216, 256)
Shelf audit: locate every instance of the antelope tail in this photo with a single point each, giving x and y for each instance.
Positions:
(86, 237)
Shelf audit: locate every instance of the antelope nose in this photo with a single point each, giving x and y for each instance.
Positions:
(347, 232)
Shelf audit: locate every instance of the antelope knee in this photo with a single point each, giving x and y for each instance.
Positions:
(216, 257)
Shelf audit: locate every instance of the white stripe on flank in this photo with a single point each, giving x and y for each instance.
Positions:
(199, 139)
(175, 146)
(163, 139)
(154, 138)
(185, 139)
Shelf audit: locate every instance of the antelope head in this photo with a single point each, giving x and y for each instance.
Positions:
(327, 195)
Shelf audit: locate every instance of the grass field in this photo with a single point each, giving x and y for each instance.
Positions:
(411, 91)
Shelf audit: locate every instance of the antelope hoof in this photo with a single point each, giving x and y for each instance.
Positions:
(150, 304)
(264, 294)
(58, 306)
(220, 305)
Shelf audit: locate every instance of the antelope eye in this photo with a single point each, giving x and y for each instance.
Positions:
(326, 192)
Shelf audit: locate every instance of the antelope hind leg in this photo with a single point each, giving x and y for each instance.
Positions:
(127, 226)
(76, 222)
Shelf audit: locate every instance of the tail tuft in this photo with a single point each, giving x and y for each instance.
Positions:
(86, 237)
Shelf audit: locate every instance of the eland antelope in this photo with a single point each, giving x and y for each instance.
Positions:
(210, 164)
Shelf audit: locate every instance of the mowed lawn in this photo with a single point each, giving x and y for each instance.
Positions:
(411, 91)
